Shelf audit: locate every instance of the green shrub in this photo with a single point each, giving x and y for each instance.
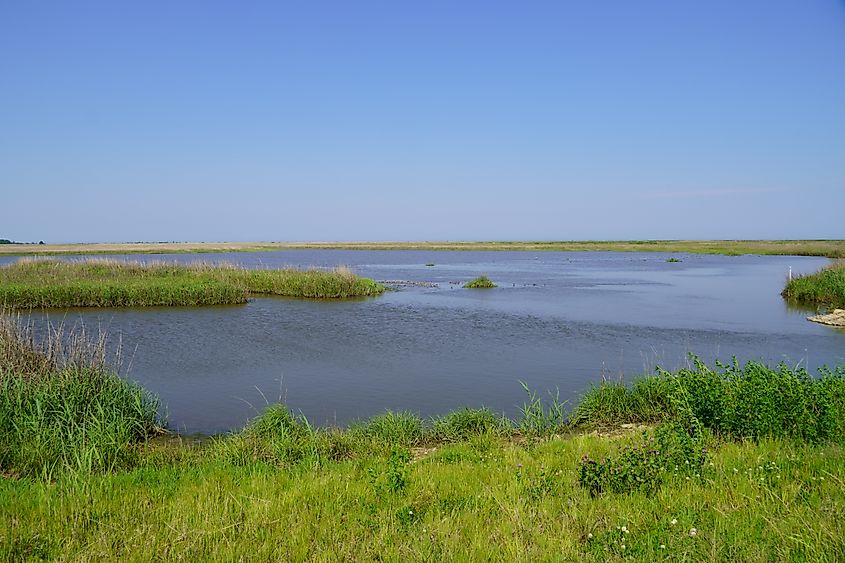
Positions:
(481, 282)
(671, 450)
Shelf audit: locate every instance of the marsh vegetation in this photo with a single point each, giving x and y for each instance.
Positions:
(35, 283)
(481, 282)
(825, 287)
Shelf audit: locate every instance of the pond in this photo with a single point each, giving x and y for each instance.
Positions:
(559, 321)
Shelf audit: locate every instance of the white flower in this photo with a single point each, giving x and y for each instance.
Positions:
(624, 530)
(590, 536)
(693, 532)
(623, 546)
(662, 546)
(674, 521)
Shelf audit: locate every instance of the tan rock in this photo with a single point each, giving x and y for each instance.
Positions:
(834, 318)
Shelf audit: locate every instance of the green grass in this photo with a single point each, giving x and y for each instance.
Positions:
(736, 463)
(749, 401)
(825, 287)
(61, 410)
(481, 500)
(112, 283)
(481, 282)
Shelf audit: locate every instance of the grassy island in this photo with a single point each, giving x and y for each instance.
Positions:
(825, 287)
(738, 462)
(32, 283)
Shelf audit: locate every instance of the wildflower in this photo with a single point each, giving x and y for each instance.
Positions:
(519, 466)
(674, 521)
(624, 530)
(693, 532)
(590, 536)
(623, 546)
(662, 546)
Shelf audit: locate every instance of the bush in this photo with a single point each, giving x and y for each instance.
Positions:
(671, 450)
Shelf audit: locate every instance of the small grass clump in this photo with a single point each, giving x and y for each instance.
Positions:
(481, 282)
(826, 287)
(391, 429)
(464, 424)
(673, 260)
(111, 283)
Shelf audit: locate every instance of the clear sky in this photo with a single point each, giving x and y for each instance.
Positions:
(434, 120)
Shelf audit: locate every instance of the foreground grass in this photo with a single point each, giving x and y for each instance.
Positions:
(112, 283)
(825, 287)
(829, 248)
(481, 499)
(764, 481)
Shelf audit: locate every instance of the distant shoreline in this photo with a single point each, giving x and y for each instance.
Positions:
(827, 248)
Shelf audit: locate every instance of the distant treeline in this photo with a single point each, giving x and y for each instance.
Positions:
(7, 241)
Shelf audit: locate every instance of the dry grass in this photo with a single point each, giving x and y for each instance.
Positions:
(829, 248)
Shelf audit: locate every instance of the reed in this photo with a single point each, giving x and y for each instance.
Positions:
(62, 410)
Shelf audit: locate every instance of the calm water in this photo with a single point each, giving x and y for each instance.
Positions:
(558, 321)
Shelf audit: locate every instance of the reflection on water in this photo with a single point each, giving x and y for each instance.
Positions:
(558, 320)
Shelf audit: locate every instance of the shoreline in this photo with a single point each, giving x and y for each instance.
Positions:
(827, 248)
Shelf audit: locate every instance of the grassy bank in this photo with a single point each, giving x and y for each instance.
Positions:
(62, 410)
(732, 463)
(829, 248)
(111, 283)
(825, 287)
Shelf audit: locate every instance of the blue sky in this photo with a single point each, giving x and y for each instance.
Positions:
(596, 119)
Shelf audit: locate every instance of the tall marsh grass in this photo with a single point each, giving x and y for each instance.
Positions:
(35, 283)
(62, 410)
(825, 287)
(736, 401)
